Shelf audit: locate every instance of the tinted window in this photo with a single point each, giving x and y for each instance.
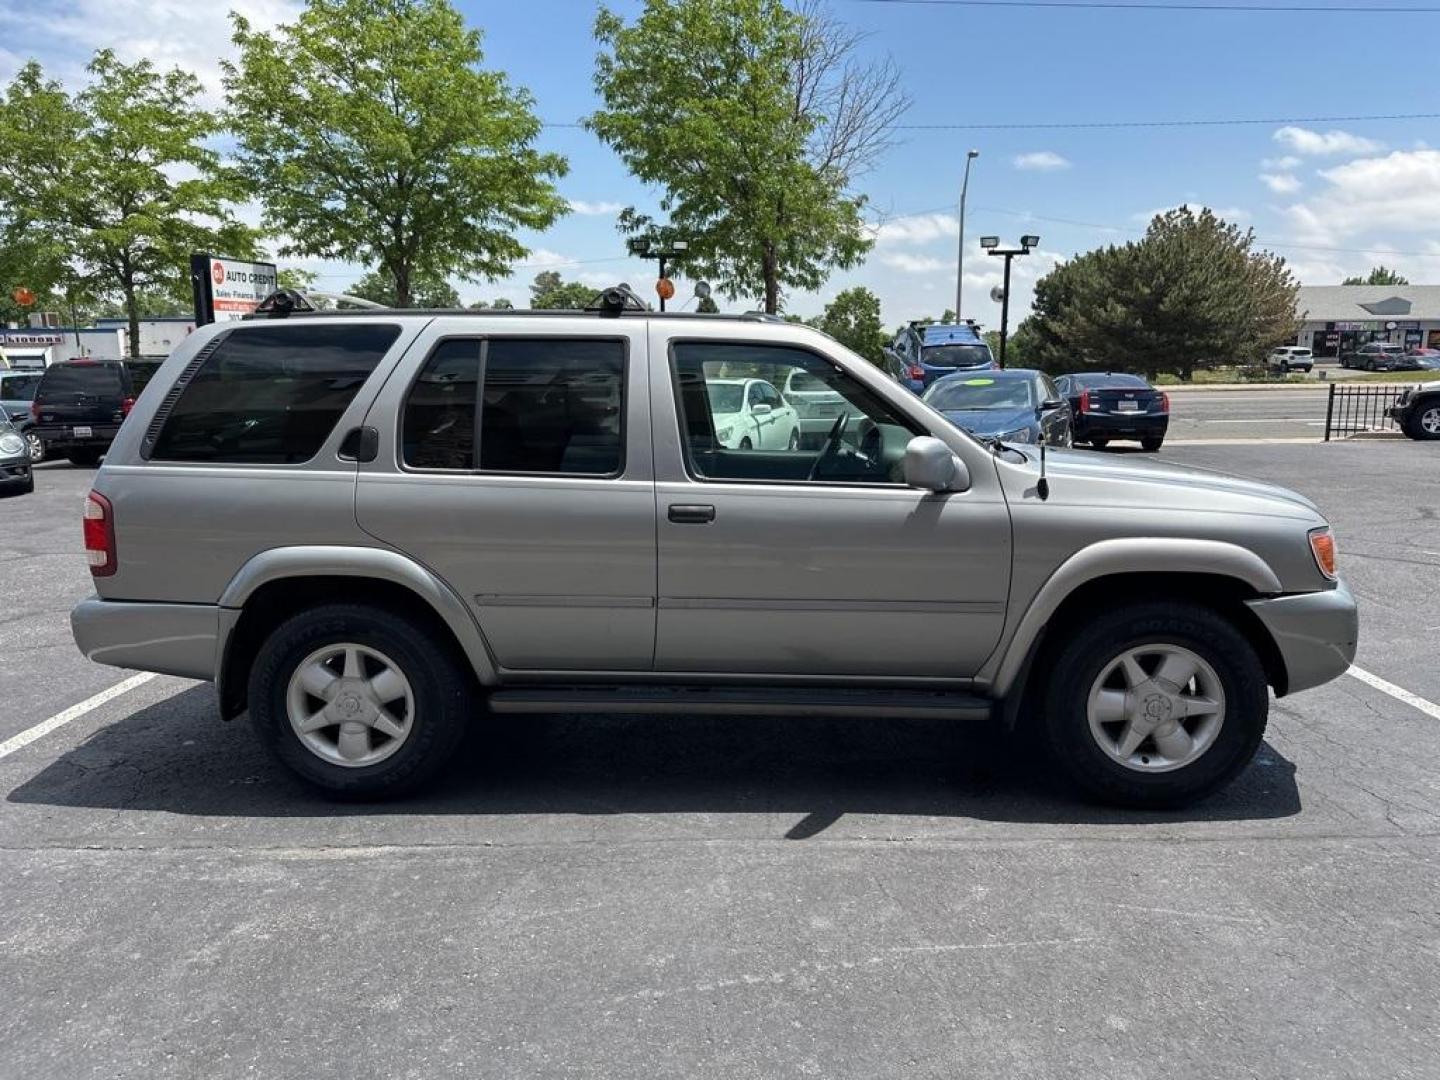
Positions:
(547, 406)
(438, 430)
(272, 395)
(1101, 381)
(18, 387)
(98, 379)
(956, 355)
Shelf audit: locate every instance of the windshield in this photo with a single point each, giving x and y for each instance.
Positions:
(18, 387)
(956, 355)
(725, 397)
(1008, 394)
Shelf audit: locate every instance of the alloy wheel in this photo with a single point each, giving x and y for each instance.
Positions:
(1430, 420)
(1156, 708)
(350, 704)
(35, 446)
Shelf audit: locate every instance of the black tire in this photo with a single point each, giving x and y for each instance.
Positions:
(1098, 442)
(746, 444)
(86, 459)
(794, 443)
(35, 446)
(436, 673)
(1413, 427)
(1151, 445)
(1203, 631)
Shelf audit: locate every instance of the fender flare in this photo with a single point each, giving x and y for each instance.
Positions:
(276, 564)
(1130, 555)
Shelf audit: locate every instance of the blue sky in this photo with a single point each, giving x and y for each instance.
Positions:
(1370, 189)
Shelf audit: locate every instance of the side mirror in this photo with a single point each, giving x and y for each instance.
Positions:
(1051, 404)
(931, 466)
(760, 409)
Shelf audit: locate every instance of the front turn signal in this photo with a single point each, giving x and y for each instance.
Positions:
(1322, 545)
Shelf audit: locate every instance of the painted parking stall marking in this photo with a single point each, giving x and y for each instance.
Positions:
(1399, 693)
(60, 719)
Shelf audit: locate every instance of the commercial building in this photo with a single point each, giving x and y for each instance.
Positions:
(1336, 318)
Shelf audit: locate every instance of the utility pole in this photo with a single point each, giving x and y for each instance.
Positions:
(662, 251)
(991, 244)
(960, 255)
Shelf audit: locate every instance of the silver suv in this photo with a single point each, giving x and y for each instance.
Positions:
(365, 528)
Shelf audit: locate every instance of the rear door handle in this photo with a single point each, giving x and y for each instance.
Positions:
(691, 514)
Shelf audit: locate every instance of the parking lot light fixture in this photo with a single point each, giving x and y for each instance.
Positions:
(991, 244)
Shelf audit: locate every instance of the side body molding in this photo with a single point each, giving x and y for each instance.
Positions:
(359, 562)
(1130, 555)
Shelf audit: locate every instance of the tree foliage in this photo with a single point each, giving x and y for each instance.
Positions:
(1193, 292)
(552, 292)
(426, 291)
(372, 133)
(755, 120)
(853, 319)
(500, 303)
(119, 180)
(1379, 275)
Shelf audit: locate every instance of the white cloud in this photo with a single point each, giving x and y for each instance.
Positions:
(916, 229)
(1320, 143)
(914, 264)
(545, 259)
(1281, 183)
(595, 209)
(1041, 161)
(169, 33)
(1399, 191)
(1280, 164)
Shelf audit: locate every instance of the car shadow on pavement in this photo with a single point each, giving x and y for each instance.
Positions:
(176, 756)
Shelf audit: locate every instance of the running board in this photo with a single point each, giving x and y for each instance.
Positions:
(732, 700)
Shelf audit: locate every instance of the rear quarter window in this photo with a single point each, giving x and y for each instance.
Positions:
(271, 395)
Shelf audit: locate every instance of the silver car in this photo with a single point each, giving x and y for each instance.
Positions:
(366, 527)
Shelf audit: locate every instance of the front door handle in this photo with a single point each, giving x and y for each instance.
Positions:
(691, 514)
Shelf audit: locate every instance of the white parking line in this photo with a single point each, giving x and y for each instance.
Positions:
(60, 719)
(1399, 693)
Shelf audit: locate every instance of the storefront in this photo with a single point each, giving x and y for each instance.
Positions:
(1341, 318)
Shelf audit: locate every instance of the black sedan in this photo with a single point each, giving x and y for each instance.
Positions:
(1417, 411)
(1113, 405)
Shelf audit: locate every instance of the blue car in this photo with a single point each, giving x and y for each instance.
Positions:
(922, 353)
(1015, 406)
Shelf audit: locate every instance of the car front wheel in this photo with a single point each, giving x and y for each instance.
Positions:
(35, 446)
(1155, 705)
(1424, 422)
(361, 702)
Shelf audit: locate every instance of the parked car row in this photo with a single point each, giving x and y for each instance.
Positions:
(1387, 356)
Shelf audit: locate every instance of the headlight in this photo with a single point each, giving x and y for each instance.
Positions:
(1322, 546)
(11, 444)
(1020, 435)
(724, 433)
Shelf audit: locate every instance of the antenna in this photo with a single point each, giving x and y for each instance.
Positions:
(1042, 486)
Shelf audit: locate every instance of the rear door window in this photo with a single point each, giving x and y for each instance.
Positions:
(530, 405)
(272, 395)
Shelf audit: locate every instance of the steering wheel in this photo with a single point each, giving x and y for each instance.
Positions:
(832, 443)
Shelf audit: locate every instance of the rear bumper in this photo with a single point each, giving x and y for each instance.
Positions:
(1121, 426)
(1316, 634)
(173, 639)
(61, 436)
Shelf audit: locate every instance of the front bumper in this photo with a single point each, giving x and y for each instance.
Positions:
(1316, 634)
(173, 639)
(15, 470)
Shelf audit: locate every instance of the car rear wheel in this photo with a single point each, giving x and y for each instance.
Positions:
(361, 702)
(1424, 422)
(1155, 705)
(1099, 443)
(1151, 445)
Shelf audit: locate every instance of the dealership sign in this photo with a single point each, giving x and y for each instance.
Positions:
(228, 288)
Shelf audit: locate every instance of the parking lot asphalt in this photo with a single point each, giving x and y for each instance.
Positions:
(638, 896)
(1248, 414)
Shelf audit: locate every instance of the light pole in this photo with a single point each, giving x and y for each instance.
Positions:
(960, 256)
(991, 244)
(652, 247)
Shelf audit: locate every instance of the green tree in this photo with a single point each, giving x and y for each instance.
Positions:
(552, 292)
(755, 120)
(292, 277)
(97, 172)
(853, 319)
(1193, 292)
(371, 132)
(426, 291)
(500, 303)
(1021, 349)
(1379, 275)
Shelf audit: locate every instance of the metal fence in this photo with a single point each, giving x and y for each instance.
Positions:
(1356, 410)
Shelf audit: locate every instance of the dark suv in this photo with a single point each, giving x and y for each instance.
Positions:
(80, 405)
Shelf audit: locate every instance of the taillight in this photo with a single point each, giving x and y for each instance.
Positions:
(126, 406)
(35, 410)
(100, 535)
(1164, 402)
(915, 371)
(1084, 400)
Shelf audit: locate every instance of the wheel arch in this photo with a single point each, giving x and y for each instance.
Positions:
(1212, 572)
(280, 582)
